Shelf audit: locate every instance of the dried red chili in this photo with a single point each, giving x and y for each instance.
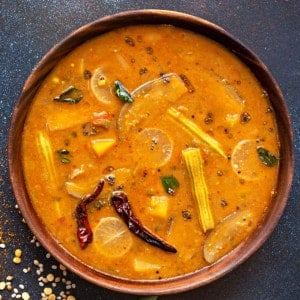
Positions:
(84, 231)
(120, 202)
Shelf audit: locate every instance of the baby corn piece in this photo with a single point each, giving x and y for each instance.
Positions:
(193, 128)
(47, 155)
(194, 163)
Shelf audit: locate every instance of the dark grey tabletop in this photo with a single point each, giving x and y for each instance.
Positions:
(29, 28)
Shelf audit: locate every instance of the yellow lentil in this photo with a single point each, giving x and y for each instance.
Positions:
(17, 260)
(25, 296)
(50, 277)
(70, 297)
(18, 253)
(47, 291)
(52, 297)
(2, 285)
(9, 278)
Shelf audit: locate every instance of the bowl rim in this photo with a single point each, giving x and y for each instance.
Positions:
(48, 61)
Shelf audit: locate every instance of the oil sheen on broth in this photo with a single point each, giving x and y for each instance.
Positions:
(176, 125)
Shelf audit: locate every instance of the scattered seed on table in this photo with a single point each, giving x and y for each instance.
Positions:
(18, 252)
(50, 277)
(47, 291)
(2, 285)
(25, 296)
(17, 260)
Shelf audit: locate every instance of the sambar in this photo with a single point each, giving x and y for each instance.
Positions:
(172, 120)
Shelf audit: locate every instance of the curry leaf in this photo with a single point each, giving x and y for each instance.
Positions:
(71, 95)
(170, 183)
(266, 157)
(122, 93)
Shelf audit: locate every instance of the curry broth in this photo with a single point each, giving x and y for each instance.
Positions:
(217, 93)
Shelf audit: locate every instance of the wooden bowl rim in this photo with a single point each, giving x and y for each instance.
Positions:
(180, 283)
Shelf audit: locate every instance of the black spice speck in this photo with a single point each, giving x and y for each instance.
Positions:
(129, 41)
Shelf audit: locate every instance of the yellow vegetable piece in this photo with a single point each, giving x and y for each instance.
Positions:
(47, 157)
(159, 206)
(100, 146)
(194, 129)
(101, 82)
(194, 163)
(144, 266)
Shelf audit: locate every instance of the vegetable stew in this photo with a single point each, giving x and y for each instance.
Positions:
(150, 152)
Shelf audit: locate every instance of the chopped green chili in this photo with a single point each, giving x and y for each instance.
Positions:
(170, 183)
(122, 93)
(71, 95)
(266, 157)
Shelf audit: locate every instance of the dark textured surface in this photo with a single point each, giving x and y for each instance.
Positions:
(270, 28)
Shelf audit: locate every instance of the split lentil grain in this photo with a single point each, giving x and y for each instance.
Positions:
(25, 296)
(47, 291)
(17, 260)
(50, 277)
(2, 285)
(18, 291)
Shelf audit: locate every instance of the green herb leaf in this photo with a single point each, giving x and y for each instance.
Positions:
(63, 155)
(65, 160)
(266, 157)
(71, 95)
(170, 183)
(122, 93)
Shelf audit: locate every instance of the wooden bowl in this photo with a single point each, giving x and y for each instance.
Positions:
(183, 282)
